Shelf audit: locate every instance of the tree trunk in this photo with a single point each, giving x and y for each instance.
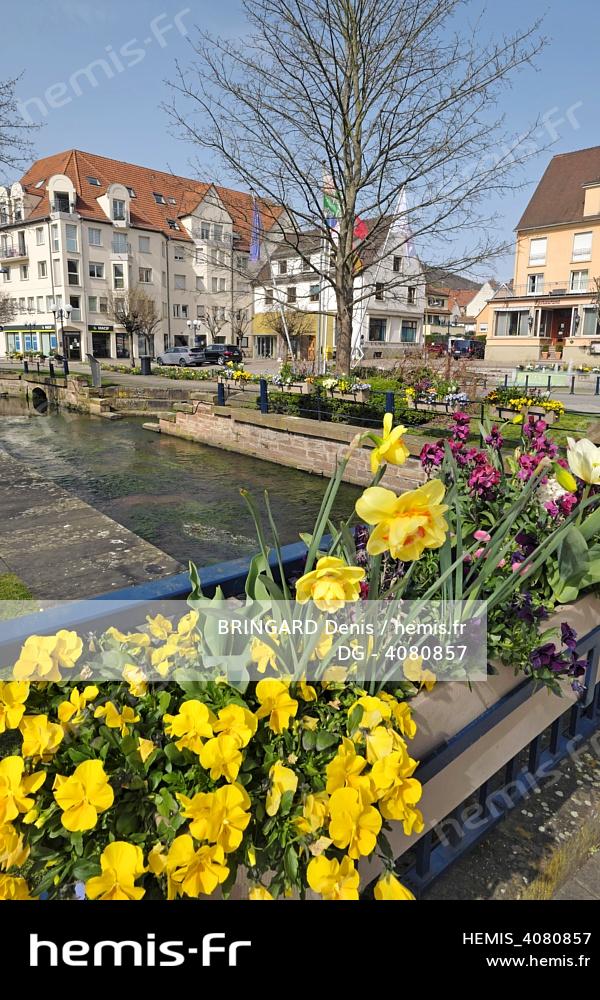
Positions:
(343, 343)
(131, 357)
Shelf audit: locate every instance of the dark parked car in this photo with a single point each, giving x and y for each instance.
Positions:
(222, 353)
(466, 348)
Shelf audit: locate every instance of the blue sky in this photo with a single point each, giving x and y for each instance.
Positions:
(139, 41)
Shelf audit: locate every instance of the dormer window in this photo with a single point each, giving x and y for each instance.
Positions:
(61, 202)
(94, 181)
(159, 198)
(172, 201)
(118, 207)
(131, 192)
(173, 224)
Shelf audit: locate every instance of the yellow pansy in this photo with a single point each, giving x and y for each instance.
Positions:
(71, 711)
(221, 756)
(135, 677)
(219, 817)
(584, 460)
(276, 702)
(281, 779)
(314, 813)
(159, 627)
(83, 795)
(13, 851)
(157, 859)
(136, 641)
(187, 624)
(192, 725)
(397, 791)
(13, 695)
(389, 887)
(194, 872)
(331, 584)
(379, 743)
(345, 768)
(390, 447)
(374, 711)
(42, 656)
(121, 864)
(354, 824)
(263, 655)
(259, 892)
(333, 879)
(145, 748)
(405, 525)
(412, 669)
(236, 721)
(306, 691)
(40, 738)
(115, 719)
(16, 788)
(13, 888)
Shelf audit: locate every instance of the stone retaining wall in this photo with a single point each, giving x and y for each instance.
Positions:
(293, 441)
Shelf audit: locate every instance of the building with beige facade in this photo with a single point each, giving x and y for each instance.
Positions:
(79, 230)
(551, 308)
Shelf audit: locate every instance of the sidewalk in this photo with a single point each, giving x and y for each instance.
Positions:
(585, 884)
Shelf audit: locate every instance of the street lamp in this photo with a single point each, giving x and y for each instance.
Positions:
(62, 313)
(194, 324)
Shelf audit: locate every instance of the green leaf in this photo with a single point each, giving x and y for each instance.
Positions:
(325, 739)
(308, 739)
(572, 554)
(286, 803)
(290, 862)
(354, 718)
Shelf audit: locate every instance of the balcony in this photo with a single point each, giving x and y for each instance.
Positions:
(14, 253)
(548, 290)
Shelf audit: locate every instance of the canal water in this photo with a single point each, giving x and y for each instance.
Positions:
(182, 497)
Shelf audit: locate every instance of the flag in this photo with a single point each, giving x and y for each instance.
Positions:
(331, 202)
(256, 233)
(360, 228)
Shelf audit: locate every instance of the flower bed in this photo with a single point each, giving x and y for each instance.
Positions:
(508, 403)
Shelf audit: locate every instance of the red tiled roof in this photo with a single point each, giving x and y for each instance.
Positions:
(559, 196)
(144, 211)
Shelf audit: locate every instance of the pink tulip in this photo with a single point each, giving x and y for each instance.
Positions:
(482, 536)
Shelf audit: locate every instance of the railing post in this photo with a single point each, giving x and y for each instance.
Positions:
(220, 393)
(506, 381)
(25, 366)
(264, 396)
(389, 401)
(549, 381)
(572, 385)
(597, 393)
(50, 368)
(526, 382)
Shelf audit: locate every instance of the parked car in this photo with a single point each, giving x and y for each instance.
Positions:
(466, 348)
(220, 354)
(437, 349)
(183, 356)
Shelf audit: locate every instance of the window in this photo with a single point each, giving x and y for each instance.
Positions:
(377, 329)
(119, 243)
(173, 224)
(397, 264)
(184, 312)
(73, 272)
(145, 275)
(222, 285)
(96, 269)
(21, 244)
(411, 295)
(217, 231)
(93, 303)
(305, 266)
(512, 324)
(200, 284)
(579, 281)
(589, 327)
(131, 192)
(163, 279)
(144, 244)
(103, 304)
(215, 284)
(164, 310)
(268, 296)
(535, 284)
(176, 310)
(71, 235)
(95, 237)
(200, 312)
(6, 274)
(537, 251)
(179, 281)
(24, 272)
(56, 271)
(31, 304)
(313, 293)
(242, 263)
(39, 236)
(75, 303)
(118, 276)
(379, 287)
(94, 181)
(582, 246)
(118, 210)
(42, 269)
(283, 267)
(408, 331)
(436, 302)
(61, 202)
(22, 305)
(159, 198)
(205, 230)
(49, 301)
(55, 238)
(291, 294)
(40, 303)
(178, 253)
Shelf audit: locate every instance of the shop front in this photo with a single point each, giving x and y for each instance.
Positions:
(30, 339)
(101, 335)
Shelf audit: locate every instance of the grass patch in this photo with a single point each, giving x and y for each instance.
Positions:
(564, 862)
(12, 588)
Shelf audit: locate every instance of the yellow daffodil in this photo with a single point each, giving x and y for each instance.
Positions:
(195, 872)
(159, 627)
(145, 748)
(121, 864)
(405, 525)
(13, 695)
(390, 447)
(412, 668)
(83, 795)
(324, 644)
(236, 721)
(314, 813)
(354, 824)
(42, 656)
(331, 585)
(259, 892)
(16, 788)
(333, 879)
(221, 756)
(71, 711)
(263, 655)
(192, 725)
(345, 768)
(389, 887)
(281, 779)
(117, 720)
(135, 677)
(13, 852)
(584, 460)
(276, 702)
(40, 738)
(13, 888)
(219, 817)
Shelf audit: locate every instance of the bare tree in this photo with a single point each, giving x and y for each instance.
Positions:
(381, 97)
(136, 311)
(7, 309)
(299, 323)
(15, 132)
(215, 321)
